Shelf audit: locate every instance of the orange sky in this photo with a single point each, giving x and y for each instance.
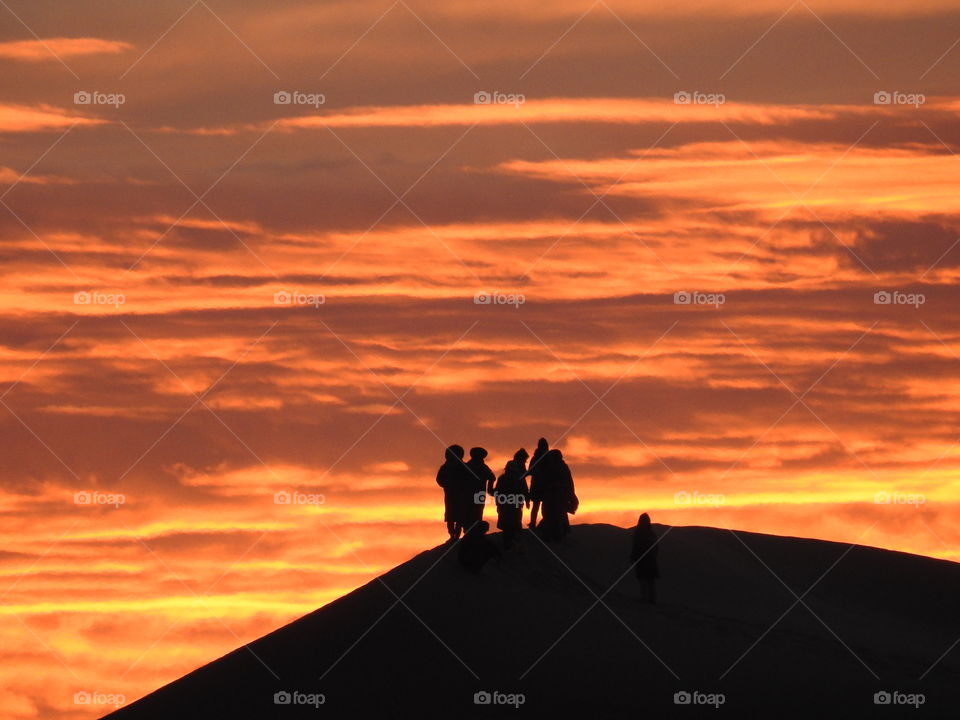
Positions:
(211, 298)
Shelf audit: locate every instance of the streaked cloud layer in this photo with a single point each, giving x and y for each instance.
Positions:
(240, 327)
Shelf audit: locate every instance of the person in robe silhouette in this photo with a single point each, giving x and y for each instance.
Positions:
(453, 477)
(511, 494)
(644, 557)
(482, 479)
(476, 548)
(558, 496)
(536, 494)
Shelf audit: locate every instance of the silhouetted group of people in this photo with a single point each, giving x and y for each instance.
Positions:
(549, 495)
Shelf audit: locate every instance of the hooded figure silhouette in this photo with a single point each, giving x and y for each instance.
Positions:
(511, 495)
(644, 558)
(557, 496)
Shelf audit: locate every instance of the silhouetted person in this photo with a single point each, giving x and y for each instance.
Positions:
(558, 496)
(476, 548)
(453, 478)
(644, 557)
(536, 493)
(511, 494)
(482, 480)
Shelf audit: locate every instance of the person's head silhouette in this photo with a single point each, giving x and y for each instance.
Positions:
(644, 521)
(477, 453)
(521, 455)
(454, 452)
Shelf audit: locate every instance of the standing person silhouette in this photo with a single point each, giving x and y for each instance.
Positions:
(558, 496)
(536, 490)
(482, 479)
(511, 495)
(452, 477)
(644, 558)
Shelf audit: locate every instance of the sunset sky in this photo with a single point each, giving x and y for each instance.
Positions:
(158, 391)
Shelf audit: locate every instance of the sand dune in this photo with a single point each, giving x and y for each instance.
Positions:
(530, 628)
